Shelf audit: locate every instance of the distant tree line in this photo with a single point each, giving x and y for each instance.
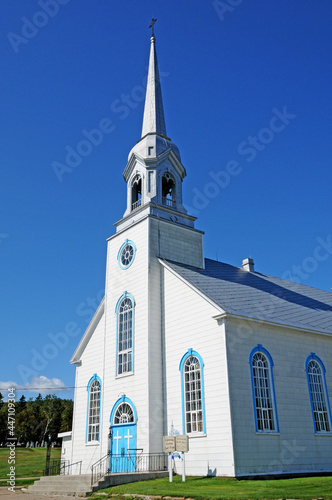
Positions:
(37, 419)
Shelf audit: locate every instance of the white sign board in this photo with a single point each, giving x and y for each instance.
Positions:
(182, 443)
(169, 444)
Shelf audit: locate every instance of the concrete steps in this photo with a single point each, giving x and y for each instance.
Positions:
(120, 478)
(79, 486)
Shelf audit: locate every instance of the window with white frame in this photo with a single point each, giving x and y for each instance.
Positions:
(94, 410)
(192, 395)
(263, 391)
(125, 336)
(318, 395)
(124, 414)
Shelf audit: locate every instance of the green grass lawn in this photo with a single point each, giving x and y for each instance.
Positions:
(227, 488)
(30, 462)
(19, 482)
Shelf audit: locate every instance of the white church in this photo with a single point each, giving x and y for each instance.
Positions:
(239, 361)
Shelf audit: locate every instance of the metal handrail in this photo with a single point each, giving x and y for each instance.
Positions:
(63, 467)
(130, 462)
(102, 466)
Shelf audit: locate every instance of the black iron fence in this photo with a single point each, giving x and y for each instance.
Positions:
(53, 467)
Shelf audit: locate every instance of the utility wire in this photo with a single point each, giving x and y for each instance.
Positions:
(43, 388)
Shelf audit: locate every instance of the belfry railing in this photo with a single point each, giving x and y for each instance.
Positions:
(136, 204)
(168, 202)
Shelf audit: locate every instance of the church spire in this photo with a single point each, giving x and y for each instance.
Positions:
(153, 118)
(154, 172)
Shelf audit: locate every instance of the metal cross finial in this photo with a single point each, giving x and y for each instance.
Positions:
(151, 25)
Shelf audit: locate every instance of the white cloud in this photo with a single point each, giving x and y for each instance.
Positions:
(40, 384)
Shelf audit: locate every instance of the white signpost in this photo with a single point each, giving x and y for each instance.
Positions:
(169, 447)
(176, 447)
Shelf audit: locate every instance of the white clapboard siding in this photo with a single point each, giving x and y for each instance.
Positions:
(189, 324)
(292, 449)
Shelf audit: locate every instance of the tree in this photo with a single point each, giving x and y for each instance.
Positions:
(26, 426)
(67, 416)
(3, 423)
(51, 414)
(21, 404)
(37, 419)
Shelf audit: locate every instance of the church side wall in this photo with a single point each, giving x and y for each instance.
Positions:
(66, 449)
(189, 324)
(296, 448)
(92, 363)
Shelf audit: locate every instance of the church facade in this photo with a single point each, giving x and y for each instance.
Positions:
(239, 361)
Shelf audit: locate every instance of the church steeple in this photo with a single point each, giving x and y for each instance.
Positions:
(153, 118)
(154, 172)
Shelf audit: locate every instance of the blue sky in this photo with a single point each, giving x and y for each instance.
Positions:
(247, 96)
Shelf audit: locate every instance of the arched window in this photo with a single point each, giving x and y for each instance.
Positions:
(124, 414)
(136, 192)
(321, 412)
(125, 333)
(263, 390)
(168, 191)
(93, 420)
(193, 411)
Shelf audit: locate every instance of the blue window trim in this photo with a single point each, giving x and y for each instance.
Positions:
(191, 352)
(123, 296)
(123, 399)
(119, 253)
(320, 362)
(260, 348)
(94, 377)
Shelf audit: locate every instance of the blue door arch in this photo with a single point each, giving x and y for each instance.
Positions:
(123, 436)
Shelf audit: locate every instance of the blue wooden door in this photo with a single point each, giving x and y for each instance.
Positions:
(123, 448)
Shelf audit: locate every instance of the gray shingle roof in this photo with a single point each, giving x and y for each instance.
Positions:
(259, 296)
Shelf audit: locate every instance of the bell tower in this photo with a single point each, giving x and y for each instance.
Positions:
(154, 172)
(154, 175)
